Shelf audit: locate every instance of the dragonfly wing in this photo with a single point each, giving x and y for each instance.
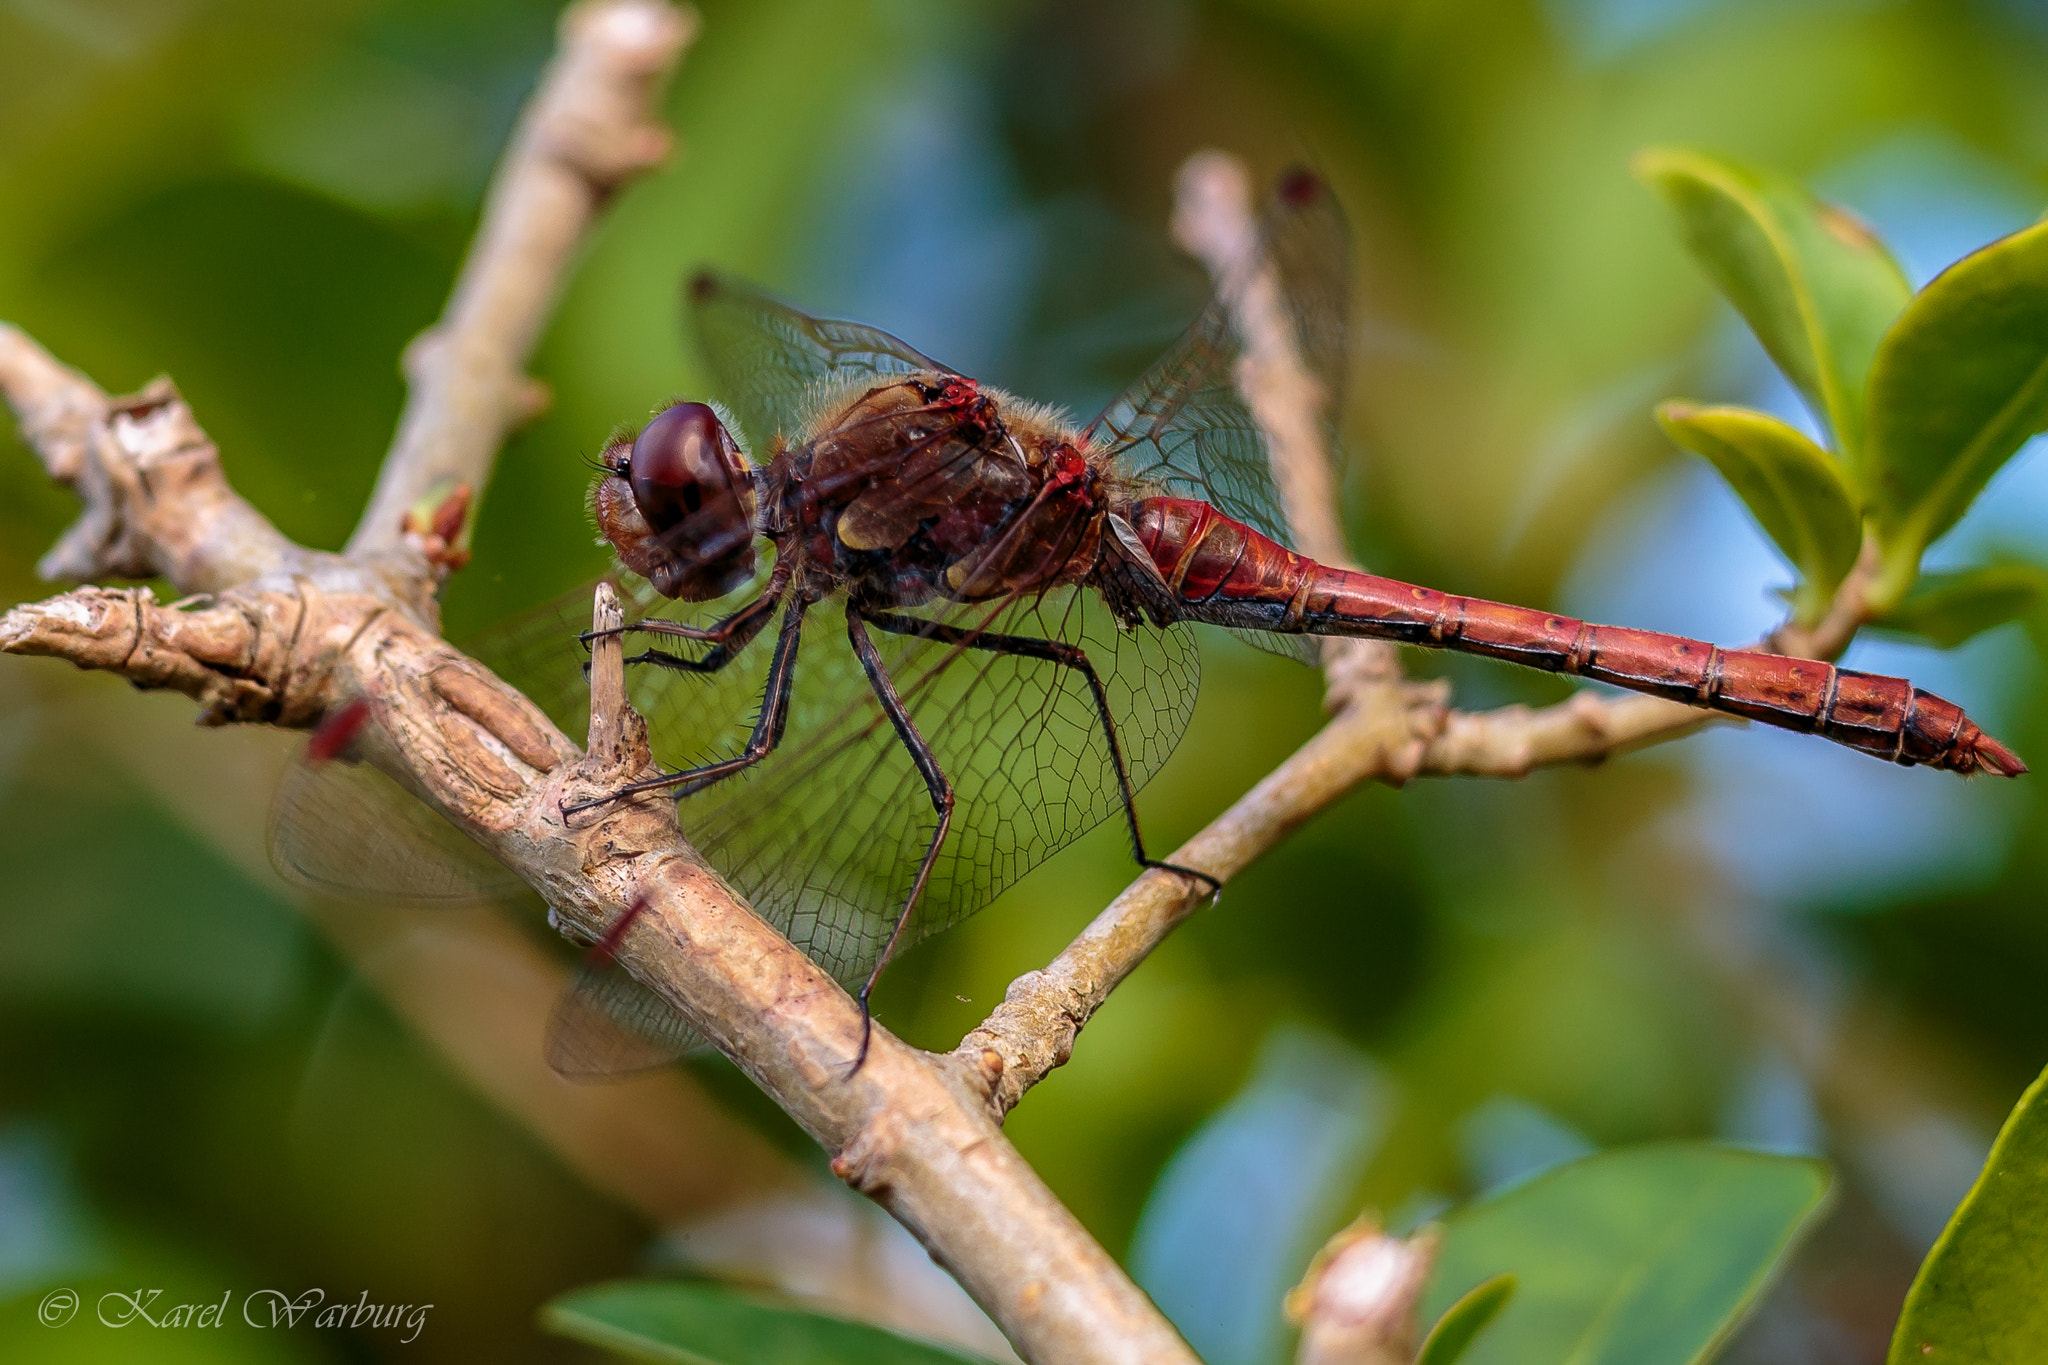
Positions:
(825, 837)
(770, 361)
(1309, 244)
(341, 828)
(607, 1024)
(1182, 429)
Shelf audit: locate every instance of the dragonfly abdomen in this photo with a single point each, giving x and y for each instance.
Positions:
(1224, 572)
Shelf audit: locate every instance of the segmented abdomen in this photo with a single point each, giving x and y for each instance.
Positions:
(1224, 572)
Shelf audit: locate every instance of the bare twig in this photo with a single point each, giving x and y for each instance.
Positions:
(587, 131)
(154, 499)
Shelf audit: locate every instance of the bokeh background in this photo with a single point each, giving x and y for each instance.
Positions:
(1421, 995)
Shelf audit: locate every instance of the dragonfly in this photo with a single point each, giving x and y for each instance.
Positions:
(978, 619)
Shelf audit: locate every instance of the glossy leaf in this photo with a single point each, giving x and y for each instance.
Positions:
(1946, 609)
(1796, 493)
(1643, 1256)
(1815, 285)
(1464, 1320)
(1959, 385)
(697, 1323)
(1982, 1293)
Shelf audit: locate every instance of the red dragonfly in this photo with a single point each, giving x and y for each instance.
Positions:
(982, 613)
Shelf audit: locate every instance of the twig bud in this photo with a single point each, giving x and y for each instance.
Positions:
(1360, 1302)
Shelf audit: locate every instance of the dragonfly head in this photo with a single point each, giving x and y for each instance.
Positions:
(677, 503)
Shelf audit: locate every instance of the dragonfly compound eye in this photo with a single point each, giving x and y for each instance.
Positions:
(694, 494)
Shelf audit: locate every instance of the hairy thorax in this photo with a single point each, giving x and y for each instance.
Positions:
(928, 485)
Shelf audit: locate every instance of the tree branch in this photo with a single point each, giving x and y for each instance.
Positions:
(154, 499)
(586, 132)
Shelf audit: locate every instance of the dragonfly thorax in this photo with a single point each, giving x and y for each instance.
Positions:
(929, 485)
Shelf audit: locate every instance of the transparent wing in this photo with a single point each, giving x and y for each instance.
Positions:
(1183, 428)
(769, 360)
(607, 1024)
(341, 828)
(826, 835)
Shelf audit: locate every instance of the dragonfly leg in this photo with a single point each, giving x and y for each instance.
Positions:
(1067, 656)
(727, 636)
(935, 783)
(767, 728)
(734, 634)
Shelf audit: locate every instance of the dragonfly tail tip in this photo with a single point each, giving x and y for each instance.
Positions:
(1994, 758)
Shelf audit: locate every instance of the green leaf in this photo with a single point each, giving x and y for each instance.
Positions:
(1959, 385)
(1948, 608)
(696, 1323)
(1982, 1293)
(1463, 1320)
(1643, 1256)
(1789, 484)
(1815, 285)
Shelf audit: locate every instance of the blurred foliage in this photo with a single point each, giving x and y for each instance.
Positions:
(266, 202)
(1978, 1296)
(1453, 1333)
(1648, 1256)
(703, 1324)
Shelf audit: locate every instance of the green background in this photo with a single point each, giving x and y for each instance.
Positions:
(1423, 993)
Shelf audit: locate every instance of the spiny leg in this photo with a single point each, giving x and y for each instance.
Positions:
(767, 728)
(736, 632)
(1067, 656)
(935, 783)
(727, 636)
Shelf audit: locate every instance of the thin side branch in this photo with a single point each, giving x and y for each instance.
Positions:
(154, 500)
(588, 130)
(1033, 1030)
